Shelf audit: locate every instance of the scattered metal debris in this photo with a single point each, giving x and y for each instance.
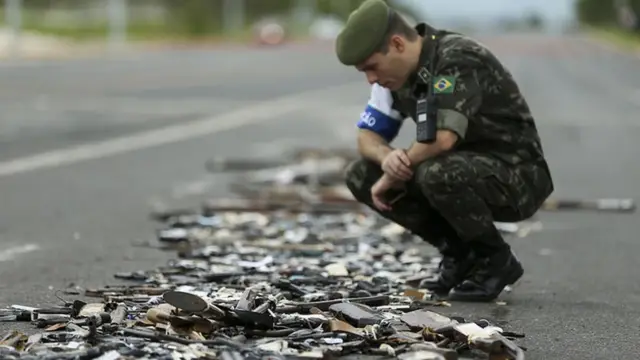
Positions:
(256, 285)
(318, 167)
(608, 205)
(293, 269)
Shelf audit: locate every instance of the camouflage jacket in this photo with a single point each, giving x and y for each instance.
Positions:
(476, 96)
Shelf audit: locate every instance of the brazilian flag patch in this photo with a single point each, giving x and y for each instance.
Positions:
(444, 84)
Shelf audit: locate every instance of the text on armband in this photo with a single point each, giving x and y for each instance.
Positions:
(367, 118)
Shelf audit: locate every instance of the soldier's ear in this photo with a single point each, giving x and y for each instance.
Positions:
(397, 42)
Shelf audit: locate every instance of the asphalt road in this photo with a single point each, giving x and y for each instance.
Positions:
(82, 160)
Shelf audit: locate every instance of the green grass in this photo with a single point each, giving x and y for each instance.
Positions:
(134, 32)
(140, 33)
(618, 37)
(137, 31)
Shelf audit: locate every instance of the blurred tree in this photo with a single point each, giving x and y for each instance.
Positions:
(205, 17)
(256, 9)
(634, 6)
(595, 12)
(339, 8)
(623, 14)
(342, 8)
(198, 17)
(511, 23)
(534, 20)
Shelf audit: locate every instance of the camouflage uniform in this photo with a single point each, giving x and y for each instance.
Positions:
(497, 170)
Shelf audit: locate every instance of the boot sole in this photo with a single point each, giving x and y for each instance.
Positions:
(512, 279)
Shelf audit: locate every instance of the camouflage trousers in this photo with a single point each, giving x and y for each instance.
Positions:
(453, 199)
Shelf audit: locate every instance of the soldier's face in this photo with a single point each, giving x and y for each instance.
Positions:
(388, 70)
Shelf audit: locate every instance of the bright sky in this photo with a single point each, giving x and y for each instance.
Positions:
(551, 9)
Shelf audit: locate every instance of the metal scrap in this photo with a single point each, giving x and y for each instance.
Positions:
(293, 269)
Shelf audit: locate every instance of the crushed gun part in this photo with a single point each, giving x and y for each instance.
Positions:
(173, 235)
(130, 276)
(15, 315)
(134, 298)
(220, 164)
(358, 315)
(230, 355)
(54, 311)
(447, 354)
(324, 305)
(192, 303)
(247, 300)
(165, 215)
(164, 337)
(611, 205)
(252, 319)
(443, 343)
(494, 343)
(24, 308)
(238, 205)
(185, 301)
(262, 308)
(90, 309)
(270, 333)
(95, 320)
(511, 334)
(421, 319)
(285, 284)
(213, 206)
(156, 315)
(305, 153)
(13, 338)
(76, 307)
(90, 353)
(43, 323)
(488, 339)
(296, 172)
(125, 291)
(269, 304)
(119, 314)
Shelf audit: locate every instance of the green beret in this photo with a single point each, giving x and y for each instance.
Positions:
(363, 33)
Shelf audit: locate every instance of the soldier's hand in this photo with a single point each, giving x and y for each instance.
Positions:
(397, 165)
(380, 188)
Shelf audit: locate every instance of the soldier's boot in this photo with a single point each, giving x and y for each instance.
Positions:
(452, 271)
(489, 277)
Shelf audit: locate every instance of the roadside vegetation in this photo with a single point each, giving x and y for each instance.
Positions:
(616, 21)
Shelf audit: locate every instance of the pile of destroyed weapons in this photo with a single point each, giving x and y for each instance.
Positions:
(292, 269)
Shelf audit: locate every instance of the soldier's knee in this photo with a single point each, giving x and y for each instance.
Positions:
(443, 173)
(358, 177)
(352, 172)
(354, 175)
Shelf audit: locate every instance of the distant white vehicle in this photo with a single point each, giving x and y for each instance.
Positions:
(269, 31)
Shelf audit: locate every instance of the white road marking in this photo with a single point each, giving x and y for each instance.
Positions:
(12, 252)
(261, 112)
(161, 108)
